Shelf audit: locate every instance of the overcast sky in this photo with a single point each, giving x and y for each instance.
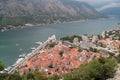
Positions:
(103, 4)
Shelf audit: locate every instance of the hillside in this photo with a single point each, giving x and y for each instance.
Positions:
(111, 11)
(19, 12)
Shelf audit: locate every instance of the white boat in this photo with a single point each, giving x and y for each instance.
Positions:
(39, 43)
(33, 48)
(22, 55)
(17, 44)
(21, 49)
(19, 60)
(8, 68)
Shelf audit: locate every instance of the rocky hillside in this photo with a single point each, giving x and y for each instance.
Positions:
(111, 11)
(40, 11)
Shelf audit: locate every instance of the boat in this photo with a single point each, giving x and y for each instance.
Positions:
(20, 49)
(22, 56)
(17, 44)
(33, 48)
(19, 60)
(39, 43)
(8, 68)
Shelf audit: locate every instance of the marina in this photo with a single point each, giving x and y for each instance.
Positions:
(25, 57)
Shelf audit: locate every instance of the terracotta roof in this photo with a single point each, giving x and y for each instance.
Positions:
(60, 65)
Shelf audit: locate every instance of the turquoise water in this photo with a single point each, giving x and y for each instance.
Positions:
(19, 41)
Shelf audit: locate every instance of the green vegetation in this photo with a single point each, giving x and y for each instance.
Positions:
(42, 19)
(80, 50)
(51, 65)
(101, 51)
(3, 76)
(55, 77)
(51, 45)
(1, 66)
(73, 46)
(61, 53)
(71, 38)
(101, 44)
(39, 76)
(15, 21)
(30, 76)
(14, 76)
(114, 34)
(70, 76)
(94, 49)
(53, 13)
(98, 69)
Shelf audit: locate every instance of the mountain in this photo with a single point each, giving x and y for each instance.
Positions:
(111, 11)
(19, 12)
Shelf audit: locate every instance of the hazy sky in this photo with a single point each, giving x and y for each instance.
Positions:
(103, 4)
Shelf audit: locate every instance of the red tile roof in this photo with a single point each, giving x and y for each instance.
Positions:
(70, 60)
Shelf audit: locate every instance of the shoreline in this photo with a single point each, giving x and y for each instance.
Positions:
(86, 43)
(11, 27)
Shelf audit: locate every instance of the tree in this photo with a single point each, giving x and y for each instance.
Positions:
(55, 77)
(30, 76)
(1, 66)
(61, 53)
(3, 76)
(98, 69)
(36, 75)
(70, 76)
(14, 76)
(51, 45)
(51, 65)
(80, 50)
(94, 49)
(39, 76)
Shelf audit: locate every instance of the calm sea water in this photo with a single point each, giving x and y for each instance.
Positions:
(19, 41)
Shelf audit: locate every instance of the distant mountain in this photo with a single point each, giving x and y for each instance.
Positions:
(16, 12)
(111, 11)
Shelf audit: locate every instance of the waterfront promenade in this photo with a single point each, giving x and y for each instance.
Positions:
(22, 61)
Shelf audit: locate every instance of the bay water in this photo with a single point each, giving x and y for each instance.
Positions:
(19, 41)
